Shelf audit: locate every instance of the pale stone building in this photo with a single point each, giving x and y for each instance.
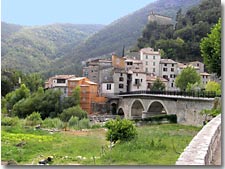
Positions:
(205, 78)
(150, 59)
(59, 82)
(168, 70)
(136, 80)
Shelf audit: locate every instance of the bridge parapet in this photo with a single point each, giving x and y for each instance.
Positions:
(201, 149)
(203, 94)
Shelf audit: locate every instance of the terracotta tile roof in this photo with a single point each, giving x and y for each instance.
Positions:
(76, 78)
(170, 61)
(133, 60)
(149, 51)
(205, 74)
(153, 78)
(63, 76)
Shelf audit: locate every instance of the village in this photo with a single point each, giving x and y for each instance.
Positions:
(104, 79)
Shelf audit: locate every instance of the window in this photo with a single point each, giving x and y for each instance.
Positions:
(172, 69)
(146, 63)
(146, 56)
(172, 65)
(141, 80)
(121, 74)
(153, 69)
(153, 57)
(171, 84)
(136, 74)
(137, 82)
(165, 64)
(165, 69)
(153, 63)
(120, 86)
(146, 69)
(108, 87)
(121, 79)
(61, 81)
(64, 90)
(165, 77)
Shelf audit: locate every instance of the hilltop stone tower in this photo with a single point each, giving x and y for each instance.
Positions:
(160, 19)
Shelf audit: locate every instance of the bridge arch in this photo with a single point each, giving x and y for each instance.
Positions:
(157, 108)
(120, 112)
(137, 107)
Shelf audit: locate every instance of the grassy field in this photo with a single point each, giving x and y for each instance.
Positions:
(155, 145)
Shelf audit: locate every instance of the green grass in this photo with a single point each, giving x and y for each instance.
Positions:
(155, 145)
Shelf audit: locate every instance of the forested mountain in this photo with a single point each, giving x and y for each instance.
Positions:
(32, 49)
(182, 43)
(58, 49)
(124, 31)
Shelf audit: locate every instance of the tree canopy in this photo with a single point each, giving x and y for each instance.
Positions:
(158, 85)
(186, 77)
(211, 49)
(181, 41)
(213, 86)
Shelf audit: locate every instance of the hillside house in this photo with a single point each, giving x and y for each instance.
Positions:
(88, 93)
(168, 71)
(151, 60)
(59, 82)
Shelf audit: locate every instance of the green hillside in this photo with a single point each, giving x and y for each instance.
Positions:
(60, 48)
(32, 49)
(124, 31)
(182, 43)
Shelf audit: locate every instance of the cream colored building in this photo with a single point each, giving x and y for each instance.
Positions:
(150, 59)
(168, 70)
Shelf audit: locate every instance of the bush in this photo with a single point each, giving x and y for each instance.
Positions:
(33, 119)
(52, 123)
(84, 124)
(123, 130)
(10, 121)
(74, 122)
(73, 111)
(96, 126)
(172, 118)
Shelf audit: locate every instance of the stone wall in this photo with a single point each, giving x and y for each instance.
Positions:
(202, 148)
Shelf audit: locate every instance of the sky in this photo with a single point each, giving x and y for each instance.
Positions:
(42, 12)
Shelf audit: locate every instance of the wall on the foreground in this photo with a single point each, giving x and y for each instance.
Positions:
(201, 149)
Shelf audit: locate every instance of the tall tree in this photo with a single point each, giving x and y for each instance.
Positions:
(158, 85)
(187, 76)
(211, 49)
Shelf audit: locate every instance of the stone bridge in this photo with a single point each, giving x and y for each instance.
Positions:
(187, 108)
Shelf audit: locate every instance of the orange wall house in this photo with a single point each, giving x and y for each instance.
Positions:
(88, 92)
(118, 62)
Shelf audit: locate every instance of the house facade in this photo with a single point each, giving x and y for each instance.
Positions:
(151, 60)
(168, 70)
(59, 82)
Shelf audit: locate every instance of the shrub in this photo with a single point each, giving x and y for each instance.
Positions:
(96, 126)
(52, 123)
(172, 118)
(123, 130)
(73, 111)
(33, 119)
(84, 124)
(10, 121)
(74, 122)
